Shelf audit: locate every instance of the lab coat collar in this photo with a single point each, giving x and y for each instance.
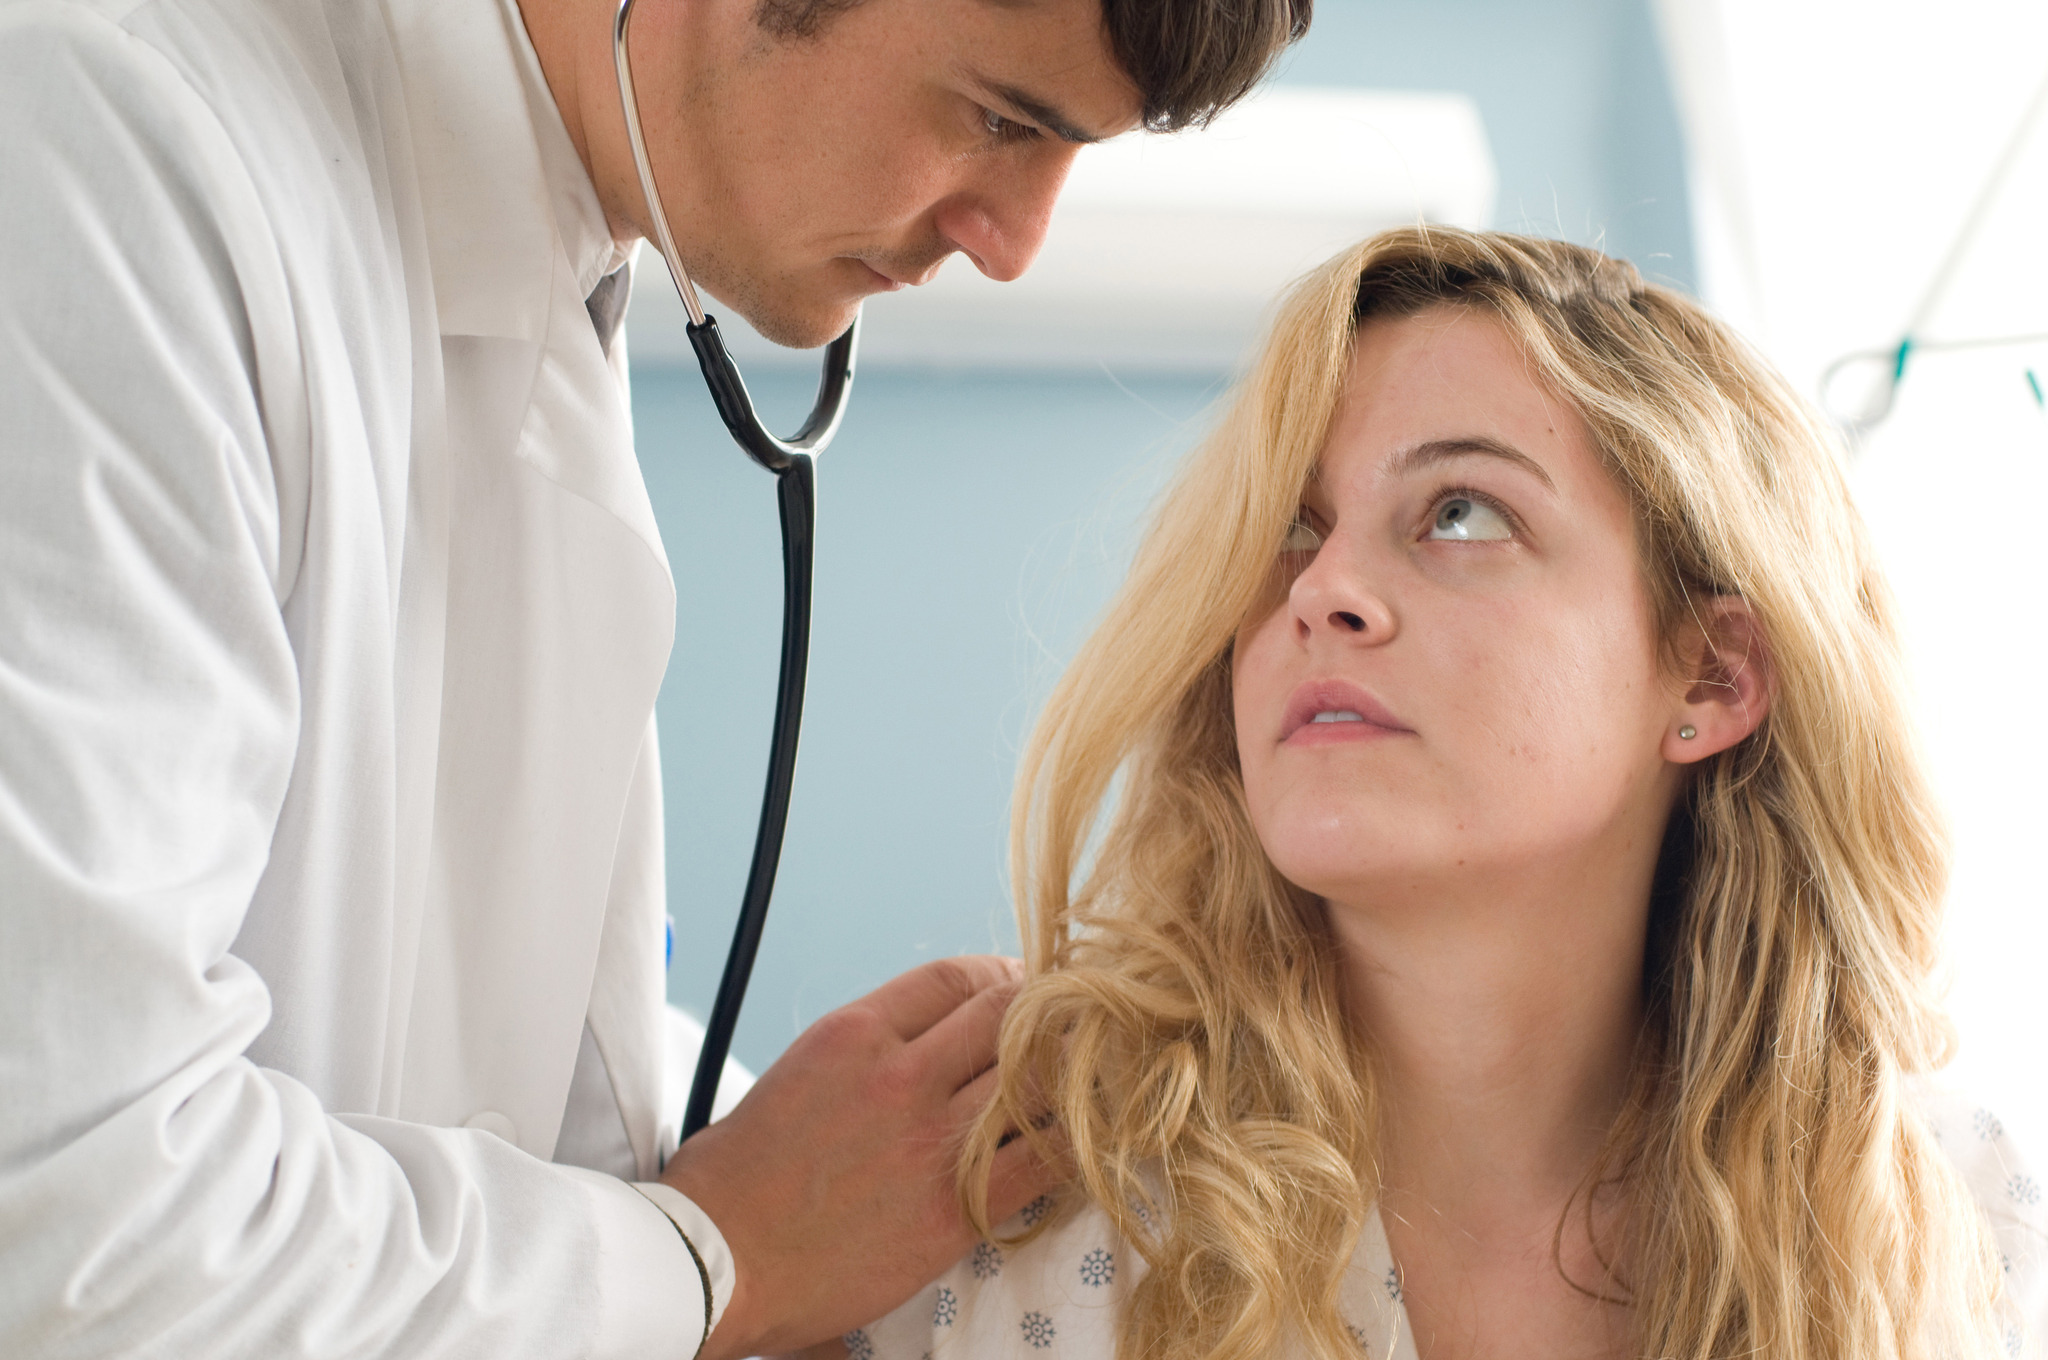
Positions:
(513, 249)
(579, 217)
(484, 189)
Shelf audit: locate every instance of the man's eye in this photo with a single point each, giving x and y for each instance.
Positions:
(1464, 518)
(1006, 129)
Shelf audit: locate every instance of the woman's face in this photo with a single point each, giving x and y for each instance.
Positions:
(1462, 682)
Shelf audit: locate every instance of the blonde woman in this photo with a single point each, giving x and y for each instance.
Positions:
(1480, 892)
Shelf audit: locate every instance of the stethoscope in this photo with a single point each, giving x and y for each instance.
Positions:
(791, 460)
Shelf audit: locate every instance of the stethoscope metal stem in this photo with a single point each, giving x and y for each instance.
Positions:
(791, 460)
(728, 389)
(622, 61)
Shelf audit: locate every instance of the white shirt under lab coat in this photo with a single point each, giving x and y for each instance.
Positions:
(332, 614)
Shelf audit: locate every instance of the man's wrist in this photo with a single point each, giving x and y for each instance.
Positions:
(708, 1250)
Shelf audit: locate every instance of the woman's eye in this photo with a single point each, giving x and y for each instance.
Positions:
(1461, 517)
(1301, 538)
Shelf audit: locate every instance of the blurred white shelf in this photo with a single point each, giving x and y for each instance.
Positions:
(1166, 251)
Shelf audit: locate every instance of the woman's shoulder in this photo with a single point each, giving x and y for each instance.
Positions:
(1059, 1291)
(2009, 1191)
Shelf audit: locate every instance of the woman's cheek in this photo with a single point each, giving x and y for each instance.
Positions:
(1256, 705)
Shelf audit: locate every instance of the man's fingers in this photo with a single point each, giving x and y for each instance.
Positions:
(968, 1100)
(922, 997)
(1020, 1175)
(962, 1046)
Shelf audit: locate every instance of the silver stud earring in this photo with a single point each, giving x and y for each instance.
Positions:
(1687, 732)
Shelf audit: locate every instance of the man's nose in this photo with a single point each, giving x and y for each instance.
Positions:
(1000, 220)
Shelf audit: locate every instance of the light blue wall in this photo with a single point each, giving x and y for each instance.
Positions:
(969, 526)
(1575, 100)
(972, 524)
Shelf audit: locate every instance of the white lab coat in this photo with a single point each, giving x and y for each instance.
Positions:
(332, 614)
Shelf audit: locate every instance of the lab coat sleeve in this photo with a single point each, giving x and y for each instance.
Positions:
(160, 1195)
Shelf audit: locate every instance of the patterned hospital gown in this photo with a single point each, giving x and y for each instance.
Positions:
(1058, 1295)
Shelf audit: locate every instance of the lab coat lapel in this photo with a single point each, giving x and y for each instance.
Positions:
(481, 188)
(498, 265)
(559, 613)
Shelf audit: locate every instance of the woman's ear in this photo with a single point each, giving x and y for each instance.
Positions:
(1726, 680)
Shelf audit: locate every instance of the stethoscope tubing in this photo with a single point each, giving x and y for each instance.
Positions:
(796, 500)
(793, 461)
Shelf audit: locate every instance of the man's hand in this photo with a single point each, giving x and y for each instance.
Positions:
(834, 1180)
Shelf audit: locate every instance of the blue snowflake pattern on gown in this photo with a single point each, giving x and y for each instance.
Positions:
(1393, 1283)
(1038, 1330)
(987, 1262)
(2023, 1189)
(946, 1309)
(1036, 1210)
(2012, 1342)
(1098, 1268)
(1358, 1338)
(858, 1346)
(1987, 1126)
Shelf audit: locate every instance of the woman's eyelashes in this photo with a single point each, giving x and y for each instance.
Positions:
(1302, 535)
(1462, 515)
(1456, 515)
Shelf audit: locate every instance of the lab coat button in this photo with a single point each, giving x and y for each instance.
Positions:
(490, 1121)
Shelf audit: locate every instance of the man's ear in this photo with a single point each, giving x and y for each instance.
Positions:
(1726, 680)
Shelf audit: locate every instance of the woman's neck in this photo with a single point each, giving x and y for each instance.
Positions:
(1503, 1016)
(1504, 1033)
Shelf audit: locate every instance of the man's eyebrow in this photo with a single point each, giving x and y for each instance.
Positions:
(1443, 450)
(1037, 111)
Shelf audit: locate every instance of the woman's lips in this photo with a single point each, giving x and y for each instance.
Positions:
(1326, 712)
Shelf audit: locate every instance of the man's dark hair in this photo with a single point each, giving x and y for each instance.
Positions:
(1190, 59)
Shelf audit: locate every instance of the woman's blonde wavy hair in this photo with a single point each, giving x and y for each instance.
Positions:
(1182, 1020)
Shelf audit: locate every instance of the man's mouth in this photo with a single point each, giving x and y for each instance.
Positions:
(902, 269)
(883, 283)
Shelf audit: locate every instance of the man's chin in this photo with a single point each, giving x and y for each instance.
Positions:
(796, 325)
(802, 308)
(808, 330)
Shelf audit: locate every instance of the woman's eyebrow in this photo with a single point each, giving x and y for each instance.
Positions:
(1419, 456)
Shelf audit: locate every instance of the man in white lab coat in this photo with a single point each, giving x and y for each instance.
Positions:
(332, 614)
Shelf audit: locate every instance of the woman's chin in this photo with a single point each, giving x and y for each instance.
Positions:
(1341, 879)
(1330, 850)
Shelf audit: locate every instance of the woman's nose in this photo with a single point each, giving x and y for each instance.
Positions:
(1334, 597)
